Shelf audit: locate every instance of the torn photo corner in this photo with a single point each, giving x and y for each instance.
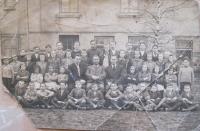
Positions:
(100, 65)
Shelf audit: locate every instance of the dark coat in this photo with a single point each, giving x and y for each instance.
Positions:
(73, 72)
(34, 58)
(115, 74)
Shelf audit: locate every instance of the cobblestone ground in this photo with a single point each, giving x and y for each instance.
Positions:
(118, 120)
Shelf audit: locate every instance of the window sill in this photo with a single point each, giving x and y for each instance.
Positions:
(10, 8)
(68, 15)
(128, 14)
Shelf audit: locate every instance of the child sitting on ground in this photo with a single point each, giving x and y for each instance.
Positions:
(131, 98)
(60, 98)
(114, 96)
(45, 96)
(95, 97)
(30, 98)
(153, 99)
(187, 98)
(170, 98)
(77, 97)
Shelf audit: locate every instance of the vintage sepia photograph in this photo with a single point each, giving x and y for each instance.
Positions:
(109, 65)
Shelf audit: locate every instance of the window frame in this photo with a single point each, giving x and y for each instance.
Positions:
(10, 37)
(69, 14)
(133, 13)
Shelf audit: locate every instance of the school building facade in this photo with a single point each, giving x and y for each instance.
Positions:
(29, 23)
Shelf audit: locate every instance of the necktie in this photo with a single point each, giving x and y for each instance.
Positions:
(79, 74)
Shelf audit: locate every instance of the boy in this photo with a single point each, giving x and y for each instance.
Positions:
(51, 75)
(54, 62)
(186, 75)
(84, 58)
(20, 88)
(131, 77)
(15, 64)
(47, 52)
(95, 97)
(150, 62)
(187, 103)
(30, 98)
(137, 62)
(77, 97)
(171, 79)
(161, 62)
(42, 64)
(76, 51)
(44, 96)
(122, 60)
(65, 62)
(131, 98)
(62, 77)
(114, 96)
(35, 57)
(22, 74)
(59, 50)
(60, 99)
(170, 98)
(7, 75)
(154, 97)
(51, 79)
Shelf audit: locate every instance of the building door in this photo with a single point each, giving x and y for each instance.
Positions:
(68, 41)
(184, 47)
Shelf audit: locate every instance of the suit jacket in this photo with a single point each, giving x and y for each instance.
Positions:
(143, 56)
(115, 74)
(95, 70)
(73, 72)
(35, 58)
(111, 53)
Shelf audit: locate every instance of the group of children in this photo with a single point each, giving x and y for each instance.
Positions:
(96, 78)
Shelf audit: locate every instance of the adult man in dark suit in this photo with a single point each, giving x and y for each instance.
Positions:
(77, 70)
(112, 51)
(115, 72)
(48, 50)
(35, 57)
(143, 53)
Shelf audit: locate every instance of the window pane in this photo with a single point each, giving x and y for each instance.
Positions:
(103, 40)
(69, 6)
(68, 40)
(9, 46)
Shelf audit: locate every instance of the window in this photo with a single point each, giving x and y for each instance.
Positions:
(184, 47)
(129, 8)
(68, 40)
(135, 40)
(9, 46)
(69, 9)
(103, 41)
(9, 4)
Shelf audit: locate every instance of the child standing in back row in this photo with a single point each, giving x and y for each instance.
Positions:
(186, 75)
